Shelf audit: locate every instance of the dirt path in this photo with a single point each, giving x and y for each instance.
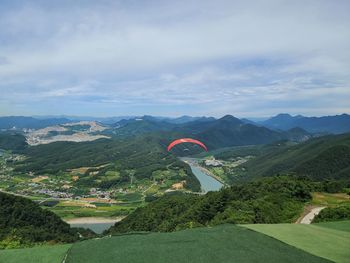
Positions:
(309, 214)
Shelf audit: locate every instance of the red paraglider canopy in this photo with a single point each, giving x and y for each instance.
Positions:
(178, 141)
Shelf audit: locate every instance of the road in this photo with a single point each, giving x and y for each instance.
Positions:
(307, 219)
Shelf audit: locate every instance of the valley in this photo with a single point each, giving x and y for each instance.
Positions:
(174, 131)
(126, 182)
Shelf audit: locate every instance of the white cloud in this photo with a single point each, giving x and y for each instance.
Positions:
(190, 53)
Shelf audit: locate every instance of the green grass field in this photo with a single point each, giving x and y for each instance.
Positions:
(44, 254)
(329, 242)
(227, 243)
(338, 225)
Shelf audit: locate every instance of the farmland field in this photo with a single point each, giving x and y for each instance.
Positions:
(67, 211)
(330, 200)
(328, 242)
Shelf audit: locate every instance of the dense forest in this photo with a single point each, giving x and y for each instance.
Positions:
(12, 141)
(277, 199)
(24, 223)
(322, 158)
(333, 214)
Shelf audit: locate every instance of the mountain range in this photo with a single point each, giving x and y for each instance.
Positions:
(282, 122)
(215, 133)
(22, 122)
(327, 124)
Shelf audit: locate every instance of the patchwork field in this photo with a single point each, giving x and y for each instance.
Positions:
(76, 210)
(327, 240)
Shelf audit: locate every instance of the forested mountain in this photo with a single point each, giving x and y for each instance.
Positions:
(12, 141)
(224, 132)
(185, 119)
(329, 124)
(140, 126)
(230, 131)
(20, 122)
(271, 200)
(23, 223)
(322, 158)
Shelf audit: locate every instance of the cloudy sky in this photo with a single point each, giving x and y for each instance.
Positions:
(109, 58)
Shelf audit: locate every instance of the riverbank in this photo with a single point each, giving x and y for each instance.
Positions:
(194, 162)
(207, 180)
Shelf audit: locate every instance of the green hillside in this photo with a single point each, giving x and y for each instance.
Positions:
(271, 200)
(24, 223)
(320, 158)
(326, 242)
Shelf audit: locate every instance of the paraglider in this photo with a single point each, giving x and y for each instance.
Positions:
(178, 141)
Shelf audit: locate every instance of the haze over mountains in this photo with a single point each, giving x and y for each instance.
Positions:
(326, 124)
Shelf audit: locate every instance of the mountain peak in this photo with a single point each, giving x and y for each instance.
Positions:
(229, 118)
(283, 115)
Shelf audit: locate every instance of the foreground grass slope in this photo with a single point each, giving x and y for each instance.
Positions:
(330, 242)
(226, 243)
(338, 225)
(44, 254)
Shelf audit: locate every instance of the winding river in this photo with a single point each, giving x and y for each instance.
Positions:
(208, 183)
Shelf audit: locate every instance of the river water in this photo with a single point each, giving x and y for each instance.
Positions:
(98, 228)
(96, 224)
(207, 182)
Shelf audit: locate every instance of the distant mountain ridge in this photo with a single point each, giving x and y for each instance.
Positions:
(215, 133)
(231, 131)
(327, 124)
(22, 122)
